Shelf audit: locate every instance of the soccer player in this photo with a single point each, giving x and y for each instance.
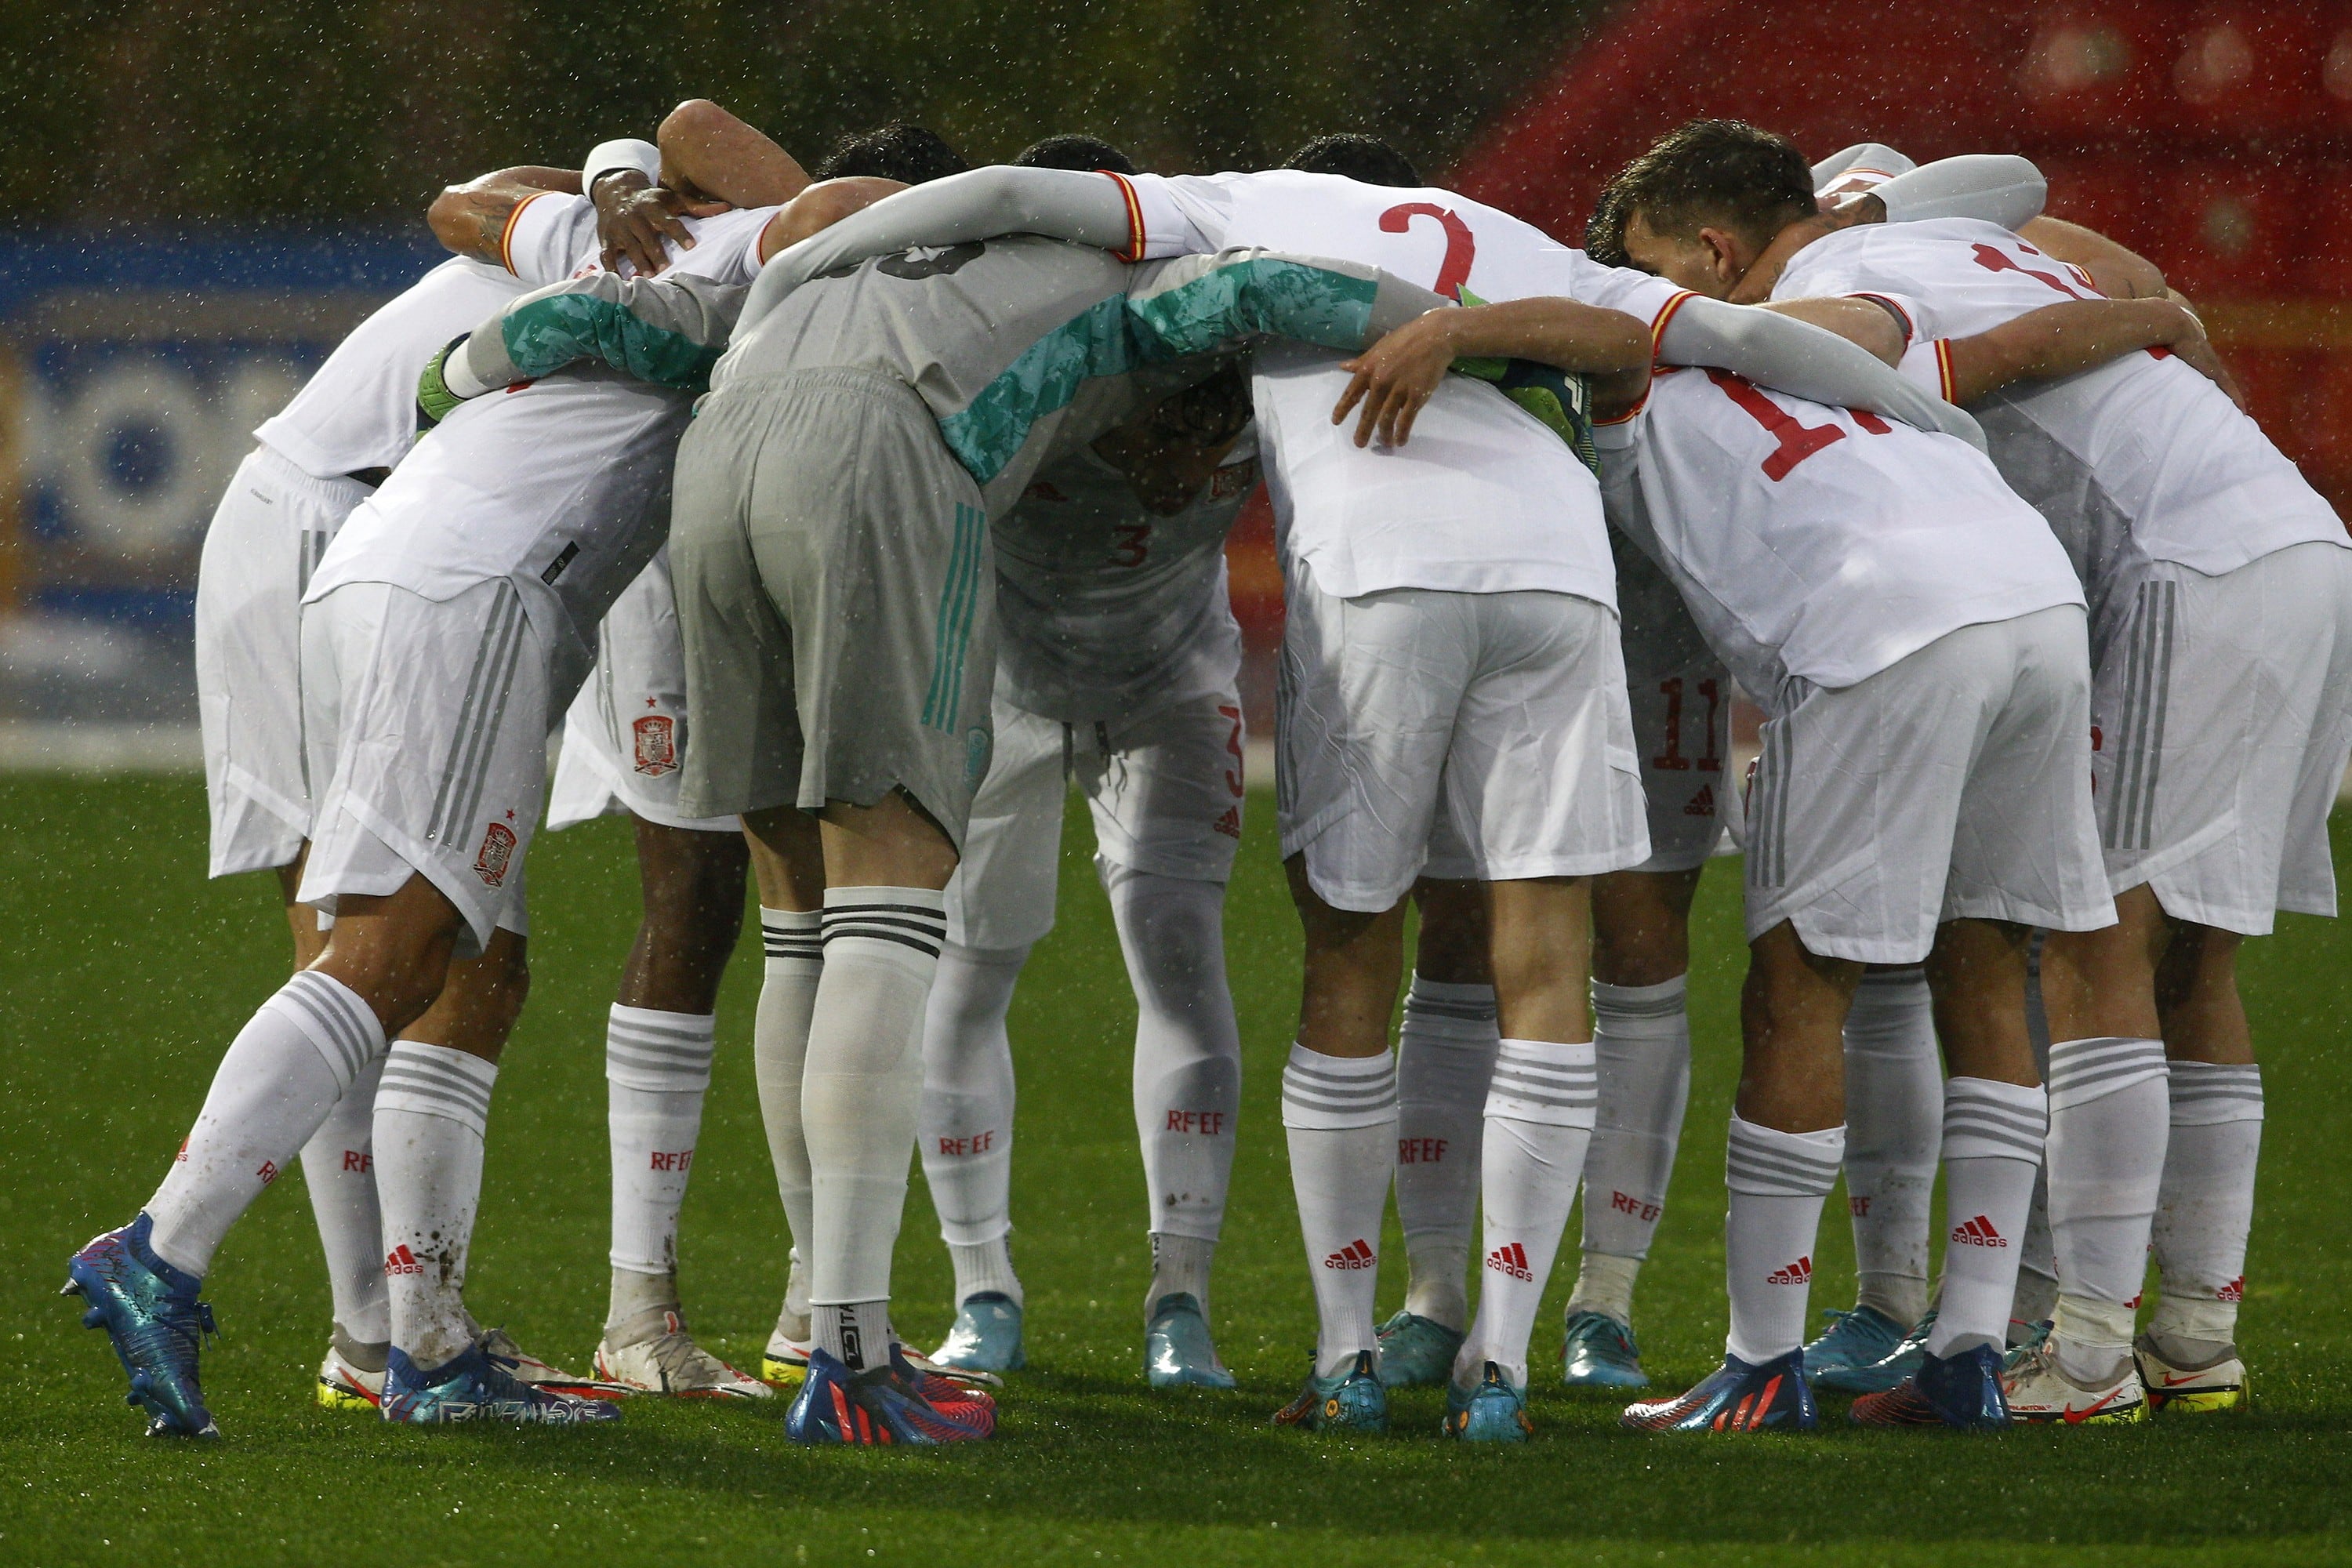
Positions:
(2219, 595)
(1497, 545)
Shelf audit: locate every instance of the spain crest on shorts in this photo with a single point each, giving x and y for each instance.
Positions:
(657, 744)
(498, 848)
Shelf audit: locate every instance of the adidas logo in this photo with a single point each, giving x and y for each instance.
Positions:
(1800, 1272)
(1702, 804)
(1511, 1259)
(1977, 1232)
(400, 1260)
(1230, 824)
(2235, 1291)
(1357, 1254)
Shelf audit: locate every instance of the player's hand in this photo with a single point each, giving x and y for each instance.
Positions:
(1396, 375)
(2195, 349)
(634, 216)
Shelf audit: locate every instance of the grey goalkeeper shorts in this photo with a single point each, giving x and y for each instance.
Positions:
(837, 599)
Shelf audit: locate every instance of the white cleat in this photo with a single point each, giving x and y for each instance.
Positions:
(2038, 1389)
(671, 1363)
(2195, 1385)
(786, 1361)
(344, 1381)
(525, 1367)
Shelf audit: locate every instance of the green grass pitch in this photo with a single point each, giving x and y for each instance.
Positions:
(126, 973)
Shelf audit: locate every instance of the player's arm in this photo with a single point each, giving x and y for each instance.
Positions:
(668, 330)
(2069, 338)
(1397, 376)
(2120, 272)
(1198, 304)
(1861, 322)
(1797, 357)
(470, 219)
(709, 153)
(819, 207)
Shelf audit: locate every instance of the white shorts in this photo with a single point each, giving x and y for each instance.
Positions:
(1507, 709)
(269, 532)
(428, 720)
(1953, 784)
(625, 732)
(1681, 700)
(2224, 716)
(1165, 789)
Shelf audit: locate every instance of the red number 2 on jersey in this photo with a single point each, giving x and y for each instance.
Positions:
(1461, 245)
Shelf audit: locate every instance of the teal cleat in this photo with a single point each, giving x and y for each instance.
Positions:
(1353, 1401)
(986, 1336)
(149, 1313)
(1494, 1412)
(476, 1386)
(1889, 1370)
(1857, 1338)
(1417, 1351)
(1600, 1354)
(1177, 1351)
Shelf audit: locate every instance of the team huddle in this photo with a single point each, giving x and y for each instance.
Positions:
(839, 525)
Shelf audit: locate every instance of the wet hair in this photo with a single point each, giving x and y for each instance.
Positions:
(1357, 156)
(908, 153)
(1211, 412)
(1720, 173)
(1076, 151)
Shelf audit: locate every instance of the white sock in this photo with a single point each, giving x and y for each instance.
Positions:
(431, 1113)
(1538, 1123)
(1640, 1036)
(859, 1094)
(2037, 1260)
(278, 1082)
(1179, 1265)
(2108, 1119)
(1993, 1134)
(1894, 1119)
(965, 1125)
(795, 959)
(1187, 1046)
(339, 1167)
(657, 1071)
(1339, 1118)
(1778, 1181)
(1445, 1055)
(2206, 1204)
(856, 1332)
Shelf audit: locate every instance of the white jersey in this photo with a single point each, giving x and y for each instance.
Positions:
(1483, 498)
(1103, 608)
(1820, 542)
(2143, 446)
(559, 485)
(358, 411)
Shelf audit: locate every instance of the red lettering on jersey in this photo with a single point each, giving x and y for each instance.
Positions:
(1461, 245)
(1992, 258)
(1134, 547)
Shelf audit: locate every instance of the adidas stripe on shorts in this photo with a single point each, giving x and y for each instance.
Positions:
(625, 737)
(2223, 708)
(427, 720)
(837, 597)
(1165, 788)
(269, 531)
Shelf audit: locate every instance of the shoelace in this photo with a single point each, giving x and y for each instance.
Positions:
(187, 1323)
(682, 1362)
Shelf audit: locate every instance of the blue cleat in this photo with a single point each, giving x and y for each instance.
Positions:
(1353, 1401)
(1600, 1354)
(1961, 1390)
(885, 1405)
(1417, 1351)
(1494, 1412)
(986, 1336)
(1177, 1351)
(1887, 1371)
(1858, 1337)
(1737, 1397)
(150, 1314)
(475, 1385)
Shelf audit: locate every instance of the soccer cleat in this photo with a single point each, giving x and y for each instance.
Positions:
(1177, 1350)
(1734, 1397)
(345, 1381)
(671, 1363)
(479, 1385)
(525, 1367)
(986, 1336)
(884, 1405)
(1857, 1337)
(1494, 1412)
(1417, 1351)
(2215, 1382)
(1352, 1400)
(151, 1315)
(1600, 1352)
(785, 1360)
(2038, 1390)
(1961, 1390)
(1887, 1372)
